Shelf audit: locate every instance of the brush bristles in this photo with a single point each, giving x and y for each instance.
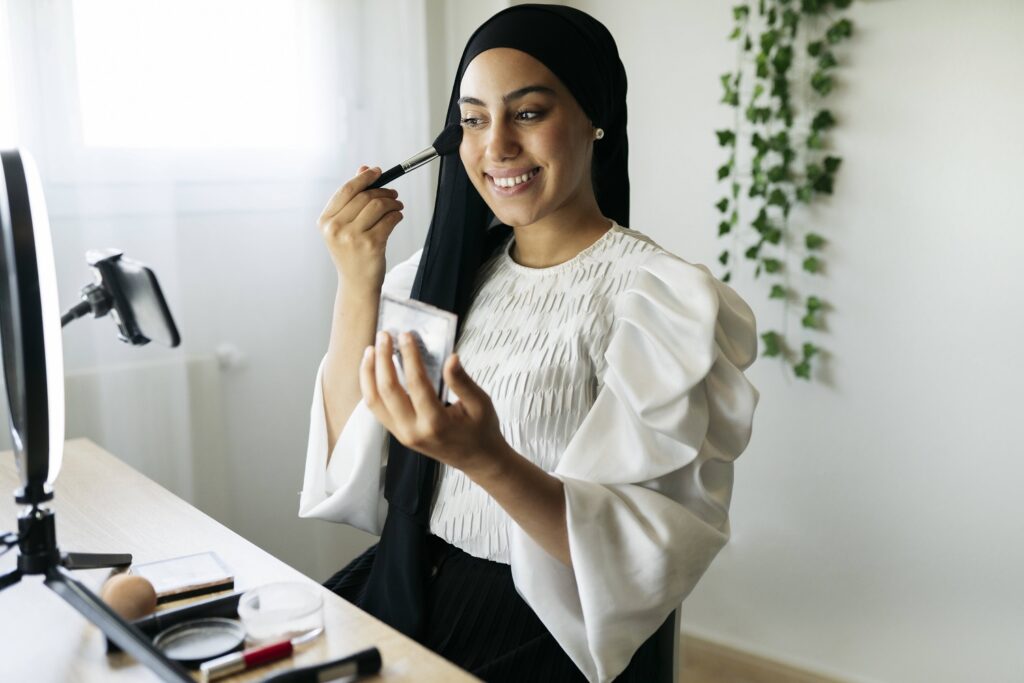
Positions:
(449, 139)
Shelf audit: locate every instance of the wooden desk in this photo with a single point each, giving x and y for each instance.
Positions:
(104, 506)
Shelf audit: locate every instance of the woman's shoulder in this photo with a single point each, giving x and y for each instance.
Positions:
(686, 296)
(627, 252)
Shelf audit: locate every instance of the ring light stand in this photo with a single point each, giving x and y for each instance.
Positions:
(30, 329)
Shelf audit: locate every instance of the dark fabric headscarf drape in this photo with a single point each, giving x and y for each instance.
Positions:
(581, 52)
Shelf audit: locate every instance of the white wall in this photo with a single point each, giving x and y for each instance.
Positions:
(877, 519)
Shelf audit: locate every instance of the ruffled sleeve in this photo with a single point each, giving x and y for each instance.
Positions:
(648, 474)
(349, 487)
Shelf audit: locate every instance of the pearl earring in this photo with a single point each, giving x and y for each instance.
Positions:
(598, 133)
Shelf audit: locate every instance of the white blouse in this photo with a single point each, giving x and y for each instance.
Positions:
(619, 372)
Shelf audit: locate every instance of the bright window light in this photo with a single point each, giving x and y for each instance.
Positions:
(8, 118)
(195, 74)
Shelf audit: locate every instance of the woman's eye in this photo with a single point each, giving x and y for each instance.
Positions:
(470, 121)
(528, 115)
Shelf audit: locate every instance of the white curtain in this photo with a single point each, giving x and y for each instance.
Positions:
(203, 137)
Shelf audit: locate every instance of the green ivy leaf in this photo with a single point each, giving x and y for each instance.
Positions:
(778, 292)
(723, 170)
(740, 12)
(735, 33)
(724, 227)
(814, 304)
(841, 4)
(747, 44)
(814, 141)
(804, 194)
(761, 222)
(812, 264)
(821, 82)
(802, 370)
(734, 217)
(827, 60)
(783, 58)
(759, 143)
(839, 30)
(772, 343)
(809, 321)
(823, 184)
(756, 114)
(723, 258)
(758, 91)
(725, 137)
(832, 164)
(772, 265)
(777, 174)
(773, 235)
(726, 277)
(823, 120)
(761, 65)
(813, 171)
(790, 20)
(735, 190)
(814, 49)
(751, 253)
(722, 205)
(809, 350)
(778, 198)
(814, 241)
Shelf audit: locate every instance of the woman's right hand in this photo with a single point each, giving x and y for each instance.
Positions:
(356, 225)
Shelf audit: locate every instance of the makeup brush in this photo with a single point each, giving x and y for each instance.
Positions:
(446, 143)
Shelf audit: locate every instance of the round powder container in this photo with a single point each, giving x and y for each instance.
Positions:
(281, 610)
(193, 642)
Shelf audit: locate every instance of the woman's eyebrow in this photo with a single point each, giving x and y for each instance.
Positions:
(514, 95)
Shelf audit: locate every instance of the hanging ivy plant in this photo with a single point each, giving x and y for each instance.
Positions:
(777, 153)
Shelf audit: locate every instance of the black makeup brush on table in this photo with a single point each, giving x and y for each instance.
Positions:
(446, 143)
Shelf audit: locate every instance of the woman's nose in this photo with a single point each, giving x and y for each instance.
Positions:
(502, 142)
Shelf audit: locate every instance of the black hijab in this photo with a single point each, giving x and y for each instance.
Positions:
(581, 52)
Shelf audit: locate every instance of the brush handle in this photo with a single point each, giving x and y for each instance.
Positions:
(387, 176)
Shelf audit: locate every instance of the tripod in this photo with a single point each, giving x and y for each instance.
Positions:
(39, 555)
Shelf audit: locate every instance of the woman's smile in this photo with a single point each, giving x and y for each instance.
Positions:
(507, 183)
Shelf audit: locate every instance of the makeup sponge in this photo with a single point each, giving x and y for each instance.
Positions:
(130, 596)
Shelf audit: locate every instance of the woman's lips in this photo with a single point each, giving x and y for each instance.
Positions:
(515, 189)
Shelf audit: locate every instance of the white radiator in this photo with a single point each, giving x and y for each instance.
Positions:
(164, 418)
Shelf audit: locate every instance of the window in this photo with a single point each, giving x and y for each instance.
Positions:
(230, 74)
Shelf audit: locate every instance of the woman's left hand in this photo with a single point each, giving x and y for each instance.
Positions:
(464, 434)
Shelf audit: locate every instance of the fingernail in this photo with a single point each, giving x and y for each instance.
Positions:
(376, 169)
(405, 337)
(381, 336)
(367, 352)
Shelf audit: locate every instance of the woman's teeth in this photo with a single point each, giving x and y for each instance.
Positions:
(517, 180)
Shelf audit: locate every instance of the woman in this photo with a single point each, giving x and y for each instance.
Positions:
(547, 522)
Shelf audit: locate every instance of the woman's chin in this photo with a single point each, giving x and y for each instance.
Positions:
(514, 219)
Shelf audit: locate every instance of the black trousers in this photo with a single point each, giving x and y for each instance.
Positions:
(477, 620)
